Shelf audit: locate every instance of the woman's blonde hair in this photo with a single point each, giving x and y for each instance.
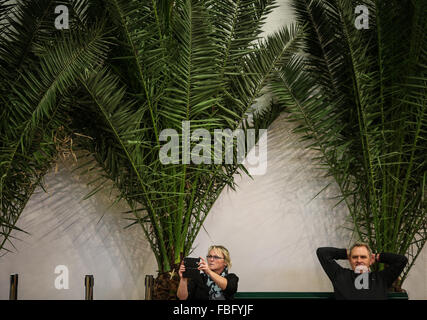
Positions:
(224, 252)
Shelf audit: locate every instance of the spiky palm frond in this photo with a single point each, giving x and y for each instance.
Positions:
(35, 111)
(238, 25)
(260, 65)
(5, 9)
(28, 23)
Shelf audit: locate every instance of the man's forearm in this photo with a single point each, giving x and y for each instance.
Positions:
(392, 258)
(327, 257)
(331, 253)
(396, 263)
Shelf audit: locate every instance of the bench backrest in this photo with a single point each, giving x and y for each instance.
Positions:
(303, 295)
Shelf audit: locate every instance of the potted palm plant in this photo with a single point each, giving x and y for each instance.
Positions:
(124, 72)
(360, 97)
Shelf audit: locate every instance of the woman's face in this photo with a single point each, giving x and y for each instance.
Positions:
(216, 261)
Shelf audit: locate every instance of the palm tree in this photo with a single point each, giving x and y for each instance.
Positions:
(360, 96)
(122, 74)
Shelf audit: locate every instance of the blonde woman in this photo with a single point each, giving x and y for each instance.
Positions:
(214, 282)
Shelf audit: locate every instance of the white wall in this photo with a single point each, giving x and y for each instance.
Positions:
(271, 226)
(65, 230)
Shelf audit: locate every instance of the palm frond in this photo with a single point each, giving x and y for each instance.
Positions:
(33, 115)
(28, 23)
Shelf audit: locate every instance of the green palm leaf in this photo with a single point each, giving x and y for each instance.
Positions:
(35, 110)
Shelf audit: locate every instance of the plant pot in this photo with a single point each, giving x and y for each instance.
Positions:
(166, 286)
(397, 286)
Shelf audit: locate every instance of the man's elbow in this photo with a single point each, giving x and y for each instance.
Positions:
(401, 259)
(320, 251)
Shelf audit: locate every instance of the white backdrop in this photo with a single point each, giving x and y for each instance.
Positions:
(271, 225)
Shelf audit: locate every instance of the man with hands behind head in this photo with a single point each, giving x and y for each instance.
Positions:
(214, 282)
(351, 284)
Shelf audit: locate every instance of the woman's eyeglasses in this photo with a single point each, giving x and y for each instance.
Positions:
(213, 257)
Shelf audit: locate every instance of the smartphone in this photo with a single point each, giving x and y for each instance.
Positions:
(191, 265)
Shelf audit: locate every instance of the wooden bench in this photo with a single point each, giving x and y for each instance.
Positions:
(304, 295)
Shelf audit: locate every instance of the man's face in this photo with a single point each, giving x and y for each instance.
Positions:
(360, 256)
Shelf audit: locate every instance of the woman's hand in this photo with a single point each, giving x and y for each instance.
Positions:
(218, 279)
(181, 269)
(203, 265)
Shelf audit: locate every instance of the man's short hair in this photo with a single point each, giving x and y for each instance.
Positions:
(224, 251)
(361, 244)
